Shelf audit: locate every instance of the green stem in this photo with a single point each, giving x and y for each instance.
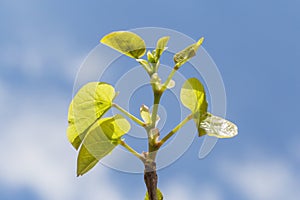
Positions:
(165, 85)
(171, 133)
(145, 65)
(131, 150)
(157, 97)
(132, 117)
(156, 66)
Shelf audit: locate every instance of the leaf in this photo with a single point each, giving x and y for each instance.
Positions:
(150, 57)
(100, 140)
(198, 119)
(159, 195)
(115, 127)
(161, 46)
(127, 43)
(186, 54)
(89, 104)
(218, 127)
(192, 96)
(145, 114)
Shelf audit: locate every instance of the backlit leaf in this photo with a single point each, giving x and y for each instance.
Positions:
(218, 127)
(192, 96)
(150, 57)
(125, 42)
(161, 46)
(100, 140)
(183, 56)
(88, 105)
(145, 114)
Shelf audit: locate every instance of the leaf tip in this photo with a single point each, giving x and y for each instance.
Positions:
(200, 41)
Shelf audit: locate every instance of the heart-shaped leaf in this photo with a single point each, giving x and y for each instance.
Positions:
(192, 96)
(186, 54)
(100, 140)
(126, 42)
(89, 104)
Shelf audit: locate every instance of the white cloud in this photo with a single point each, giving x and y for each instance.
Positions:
(34, 152)
(37, 57)
(33, 146)
(185, 190)
(262, 178)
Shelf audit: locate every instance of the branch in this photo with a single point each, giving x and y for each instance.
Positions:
(157, 97)
(131, 150)
(171, 133)
(132, 117)
(165, 85)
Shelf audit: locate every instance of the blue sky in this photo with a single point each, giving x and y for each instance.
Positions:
(255, 45)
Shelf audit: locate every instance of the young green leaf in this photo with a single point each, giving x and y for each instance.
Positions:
(115, 127)
(89, 104)
(192, 96)
(100, 140)
(127, 43)
(159, 195)
(145, 114)
(161, 46)
(186, 54)
(150, 57)
(218, 127)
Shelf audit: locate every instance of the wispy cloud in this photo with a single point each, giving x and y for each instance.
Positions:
(176, 189)
(35, 153)
(262, 177)
(34, 149)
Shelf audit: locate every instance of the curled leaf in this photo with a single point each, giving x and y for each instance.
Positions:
(145, 114)
(218, 127)
(186, 54)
